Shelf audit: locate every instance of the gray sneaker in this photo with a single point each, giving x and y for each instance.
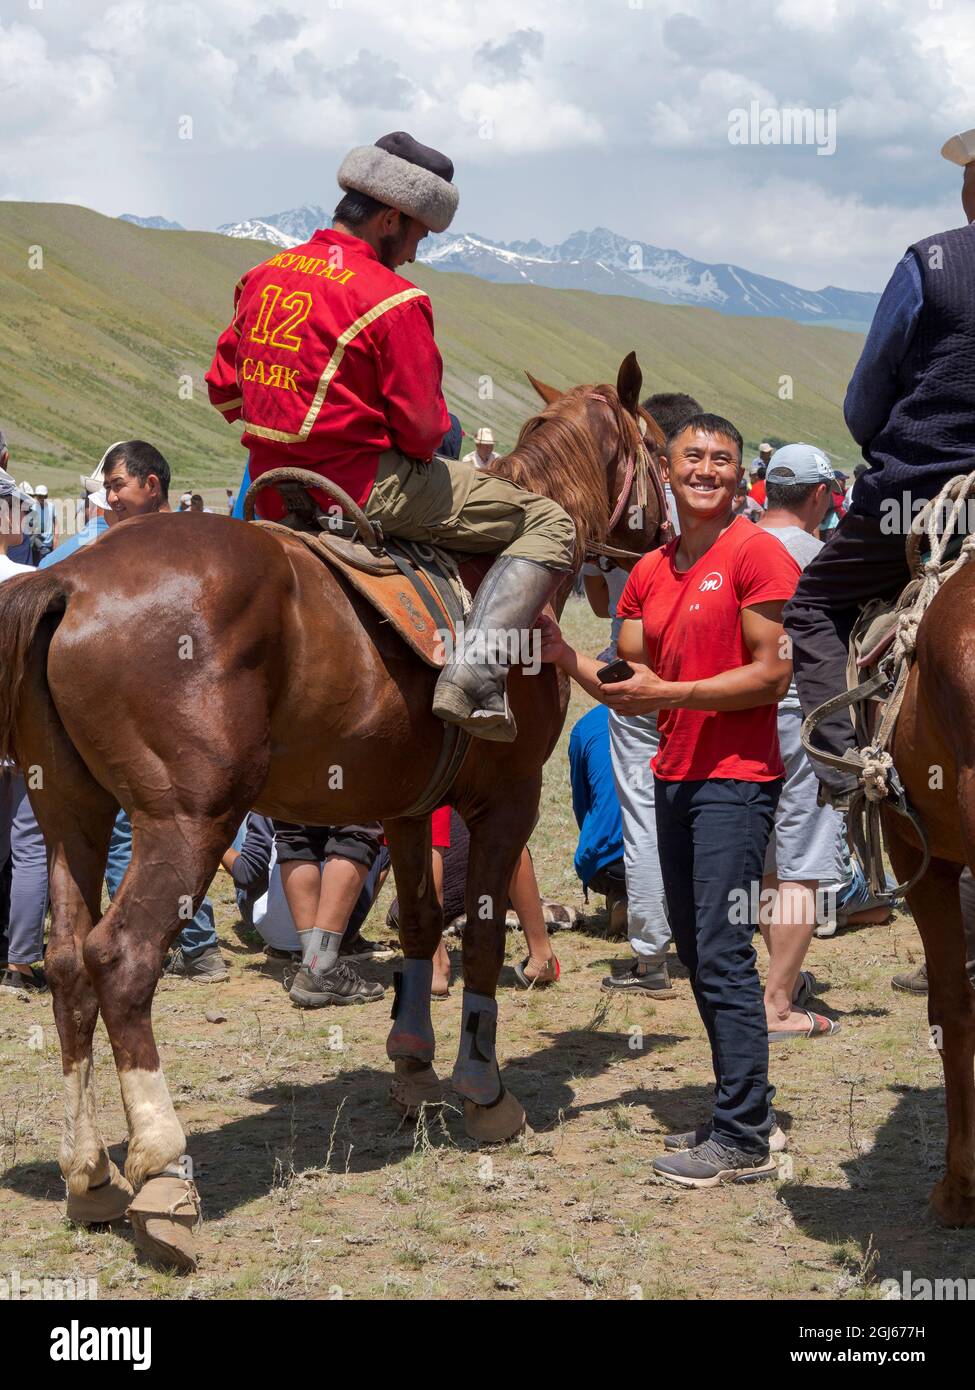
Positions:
(912, 981)
(690, 1138)
(712, 1163)
(16, 982)
(207, 966)
(654, 982)
(314, 989)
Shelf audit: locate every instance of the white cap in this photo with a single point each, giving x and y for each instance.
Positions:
(799, 463)
(40, 490)
(99, 499)
(960, 149)
(94, 480)
(484, 436)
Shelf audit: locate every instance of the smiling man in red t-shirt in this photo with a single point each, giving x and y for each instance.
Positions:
(702, 630)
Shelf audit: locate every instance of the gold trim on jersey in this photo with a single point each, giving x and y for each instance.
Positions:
(331, 367)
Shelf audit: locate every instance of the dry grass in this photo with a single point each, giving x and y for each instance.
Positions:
(312, 1188)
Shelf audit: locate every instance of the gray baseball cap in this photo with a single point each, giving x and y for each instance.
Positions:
(799, 463)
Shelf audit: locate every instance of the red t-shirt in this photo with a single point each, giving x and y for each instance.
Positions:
(692, 626)
(757, 492)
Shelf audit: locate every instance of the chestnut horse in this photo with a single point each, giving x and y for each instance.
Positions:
(934, 752)
(192, 668)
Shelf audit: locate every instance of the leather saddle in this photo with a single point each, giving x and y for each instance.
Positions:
(418, 591)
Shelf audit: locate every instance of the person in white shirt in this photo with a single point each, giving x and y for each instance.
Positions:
(482, 455)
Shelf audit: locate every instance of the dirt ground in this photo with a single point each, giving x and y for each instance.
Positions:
(313, 1188)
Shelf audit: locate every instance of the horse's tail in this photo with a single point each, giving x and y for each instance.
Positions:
(24, 600)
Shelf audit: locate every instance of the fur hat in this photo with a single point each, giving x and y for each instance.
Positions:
(399, 171)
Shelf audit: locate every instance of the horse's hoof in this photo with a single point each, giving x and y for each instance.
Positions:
(165, 1216)
(415, 1086)
(107, 1202)
(951, 1207)
(497, 1123)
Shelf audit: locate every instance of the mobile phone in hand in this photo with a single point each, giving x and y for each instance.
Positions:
(618, 670)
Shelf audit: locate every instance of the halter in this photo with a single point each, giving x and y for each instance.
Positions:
(639, 472)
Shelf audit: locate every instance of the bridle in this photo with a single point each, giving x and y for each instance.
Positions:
(639, 473)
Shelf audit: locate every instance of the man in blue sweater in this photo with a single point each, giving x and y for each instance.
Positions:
(911, 407)
(599, 854)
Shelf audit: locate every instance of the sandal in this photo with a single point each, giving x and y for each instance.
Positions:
(527, 982)
(819, 1027)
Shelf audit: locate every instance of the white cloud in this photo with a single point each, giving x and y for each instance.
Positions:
(519, 118)
(588, 104)
(794, 230)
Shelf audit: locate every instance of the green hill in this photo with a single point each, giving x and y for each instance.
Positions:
(97, 345)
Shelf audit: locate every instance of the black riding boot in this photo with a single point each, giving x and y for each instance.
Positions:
(472, 688)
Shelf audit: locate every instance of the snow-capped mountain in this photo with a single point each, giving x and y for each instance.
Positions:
(259, 230)
(157, 224)
(607, 263)
(601, 261)
(289, 228)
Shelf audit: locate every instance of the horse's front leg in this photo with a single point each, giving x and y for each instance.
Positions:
(411, 1043)
(499, 832)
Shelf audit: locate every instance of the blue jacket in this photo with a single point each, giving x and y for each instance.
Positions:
(594, 799)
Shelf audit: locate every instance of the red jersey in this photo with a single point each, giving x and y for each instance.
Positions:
(757, 491)
(692, 627)
(329, 361)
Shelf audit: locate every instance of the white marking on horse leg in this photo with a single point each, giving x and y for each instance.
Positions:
(83, 1156)
(156, 1137)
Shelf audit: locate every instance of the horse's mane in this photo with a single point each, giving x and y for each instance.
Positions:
(556, 455)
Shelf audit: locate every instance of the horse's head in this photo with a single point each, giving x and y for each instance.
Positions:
(594, 449)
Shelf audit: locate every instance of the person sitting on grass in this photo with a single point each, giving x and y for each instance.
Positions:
(323, 870)
(251, 861)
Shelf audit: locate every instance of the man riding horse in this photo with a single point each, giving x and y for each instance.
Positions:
(911, 407)
(331, 364)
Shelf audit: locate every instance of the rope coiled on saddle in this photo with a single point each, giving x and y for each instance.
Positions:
(872, 763)
(934, 571)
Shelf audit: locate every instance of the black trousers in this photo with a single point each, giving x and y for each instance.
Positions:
(712, 836)
(858, 563)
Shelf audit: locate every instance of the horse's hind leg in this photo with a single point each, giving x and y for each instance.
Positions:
(411, 1043)
(499, 828)
(951, 1013)
(173, 861)
(75, 815)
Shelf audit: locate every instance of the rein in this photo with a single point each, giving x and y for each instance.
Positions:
(639, 472)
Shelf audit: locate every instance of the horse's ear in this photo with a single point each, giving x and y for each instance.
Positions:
(547, 393)
(629, 383)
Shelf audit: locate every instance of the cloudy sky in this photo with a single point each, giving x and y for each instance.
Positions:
(558, 114)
